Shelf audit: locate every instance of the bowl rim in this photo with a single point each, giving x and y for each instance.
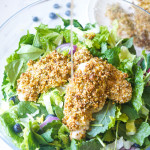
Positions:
(40, 1)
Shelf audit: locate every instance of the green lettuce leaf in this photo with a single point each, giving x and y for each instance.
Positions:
(59, 112)
(142, 132)
(67, 36)
(146, 96)
(47, 135)
(29, 52)
(47, 38)
(101, 37)
(63, 135)
(29, 142)
(14, 69)
(129, 44)
(145, 64)
(138, 88)
(26, 39)
(102, 120)
(89, 26)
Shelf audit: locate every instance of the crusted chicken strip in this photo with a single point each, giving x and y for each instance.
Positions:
(85, 94)
(118, 89)
(91, 84)
(50, 71)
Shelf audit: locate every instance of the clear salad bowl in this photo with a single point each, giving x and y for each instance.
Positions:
(132, 20)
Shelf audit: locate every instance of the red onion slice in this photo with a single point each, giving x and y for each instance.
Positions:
(48, 120)
(67, 46)
(148, 70)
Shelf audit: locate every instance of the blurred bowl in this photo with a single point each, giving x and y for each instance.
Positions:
(133, 21)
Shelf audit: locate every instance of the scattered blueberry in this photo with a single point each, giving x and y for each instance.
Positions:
(35, 19)
(136, 145)
(68, 4)
(68, 13)
(12, 98)
(17, 128)
(52, 15)
(50, 115)
(56, 6)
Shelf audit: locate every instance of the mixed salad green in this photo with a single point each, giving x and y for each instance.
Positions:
(115, 126)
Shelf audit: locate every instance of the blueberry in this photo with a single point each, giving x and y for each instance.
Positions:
(68, 4)
(136, 145)
(148, 148)
(35, 19)
(50, 115)
(12, 98)
(17, 128)
(56, 6)
(52, 15)
(68, 13)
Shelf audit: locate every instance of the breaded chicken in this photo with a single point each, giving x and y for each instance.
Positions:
(49, 72)
(85, 94)
(92, 83)
(118, 88)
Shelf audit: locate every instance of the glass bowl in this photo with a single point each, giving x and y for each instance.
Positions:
(19, 23)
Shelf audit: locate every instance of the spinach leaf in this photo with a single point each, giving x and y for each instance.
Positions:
(102, 120)
(130, 111)
(142, 132)
(138, 88)
(93, 144)
(112, 56)
(29, 52)
(27, 107)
